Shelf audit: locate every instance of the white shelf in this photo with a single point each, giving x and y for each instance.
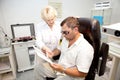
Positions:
(4, 50)
(7, 65)
(8, 76)
(5, 71)
(4, 66)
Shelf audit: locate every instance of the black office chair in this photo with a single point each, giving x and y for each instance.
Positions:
(103, 54)
(90, 28)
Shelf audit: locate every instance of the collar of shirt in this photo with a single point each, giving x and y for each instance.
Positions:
(77, 41)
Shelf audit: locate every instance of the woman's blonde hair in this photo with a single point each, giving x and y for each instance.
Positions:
(48, 13)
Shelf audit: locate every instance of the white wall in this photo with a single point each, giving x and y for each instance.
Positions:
(20, 11)
(2, 21)
(115, 4)
(77, 8)
(115, 11)
(28, 11)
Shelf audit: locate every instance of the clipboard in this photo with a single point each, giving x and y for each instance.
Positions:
(41, 55)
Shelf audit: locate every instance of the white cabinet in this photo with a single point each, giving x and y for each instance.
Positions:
(24, 55)
(114, 65)
(113, 62)
(7, 64)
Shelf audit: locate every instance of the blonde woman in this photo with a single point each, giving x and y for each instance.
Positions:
(48, 34)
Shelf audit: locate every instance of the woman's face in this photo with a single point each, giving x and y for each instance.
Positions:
(50, 22)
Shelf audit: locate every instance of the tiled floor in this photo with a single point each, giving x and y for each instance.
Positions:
(26, 75)
(104, 77)
(29, 75)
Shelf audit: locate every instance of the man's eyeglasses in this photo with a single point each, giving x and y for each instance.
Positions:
(65, 32)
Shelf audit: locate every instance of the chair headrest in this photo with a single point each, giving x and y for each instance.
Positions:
(90, 28)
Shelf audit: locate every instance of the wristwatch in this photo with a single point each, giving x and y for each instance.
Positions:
(64, 69)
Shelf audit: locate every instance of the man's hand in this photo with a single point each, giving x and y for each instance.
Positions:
(57, 67)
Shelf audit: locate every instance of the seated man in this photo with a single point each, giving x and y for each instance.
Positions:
(76, 55)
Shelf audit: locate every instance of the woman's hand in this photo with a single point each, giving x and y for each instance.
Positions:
(47, 52)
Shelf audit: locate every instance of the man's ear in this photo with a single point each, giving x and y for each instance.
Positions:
(76, 28)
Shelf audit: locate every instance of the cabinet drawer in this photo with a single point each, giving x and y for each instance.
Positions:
(20, 46)
(31, 44)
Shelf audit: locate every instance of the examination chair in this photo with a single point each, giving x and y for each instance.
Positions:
(90, 28)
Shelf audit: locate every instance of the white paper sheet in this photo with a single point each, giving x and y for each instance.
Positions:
(41, 54)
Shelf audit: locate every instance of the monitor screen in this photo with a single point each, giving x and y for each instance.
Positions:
(22, 30)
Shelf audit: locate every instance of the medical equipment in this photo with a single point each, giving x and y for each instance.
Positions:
(22, 32)
(4, 39)
(113, 32)
(113, 29)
